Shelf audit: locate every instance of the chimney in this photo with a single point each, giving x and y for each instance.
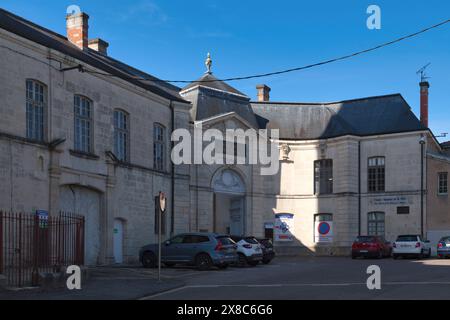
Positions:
(263, 93)
(99, 45)
(424, 85)
(77, 29)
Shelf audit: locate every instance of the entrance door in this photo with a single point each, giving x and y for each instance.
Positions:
(237, 216)
(118, 241)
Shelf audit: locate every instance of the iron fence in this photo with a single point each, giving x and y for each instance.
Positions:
(31, 244)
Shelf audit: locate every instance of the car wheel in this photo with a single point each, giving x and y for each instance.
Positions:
(380, 254)
(429, 253)
(149, 259)
(252, 263)
(266, 261)
(222, 266)
(242, 260)
(354, 256)
(203, 262)
(394, 256)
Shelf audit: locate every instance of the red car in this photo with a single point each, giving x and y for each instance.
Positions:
(371, 246)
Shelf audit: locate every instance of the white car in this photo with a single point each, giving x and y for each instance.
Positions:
(249, 250)
(411, 245)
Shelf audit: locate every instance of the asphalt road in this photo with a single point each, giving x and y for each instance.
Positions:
(318, 278)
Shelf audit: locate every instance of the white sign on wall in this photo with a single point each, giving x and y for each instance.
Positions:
(323, 231)
(283, 226)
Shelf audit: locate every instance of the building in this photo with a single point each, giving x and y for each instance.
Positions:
(81, 132)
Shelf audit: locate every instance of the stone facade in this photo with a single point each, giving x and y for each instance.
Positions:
(51, 175)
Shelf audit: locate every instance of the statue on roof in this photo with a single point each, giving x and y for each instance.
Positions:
(208, 63)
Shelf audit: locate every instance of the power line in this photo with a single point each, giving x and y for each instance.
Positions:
(292, 69)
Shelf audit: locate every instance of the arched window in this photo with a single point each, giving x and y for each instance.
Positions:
(83, 124)
(375, 224)
(159, 147)
(121, 135)
(36, 109)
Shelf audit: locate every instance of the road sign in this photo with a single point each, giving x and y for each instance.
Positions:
(162, 201)
(324, 232)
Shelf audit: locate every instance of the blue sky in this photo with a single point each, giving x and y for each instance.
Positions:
(170, 39)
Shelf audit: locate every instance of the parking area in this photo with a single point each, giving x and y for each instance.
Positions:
(286, 278)
(318, 278)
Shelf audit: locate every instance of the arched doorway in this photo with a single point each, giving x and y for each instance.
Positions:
(85, 202)
(229, 202)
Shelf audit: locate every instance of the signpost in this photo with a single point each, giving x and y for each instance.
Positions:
(162, 209)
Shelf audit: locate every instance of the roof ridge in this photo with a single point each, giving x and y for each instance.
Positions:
(328, 103)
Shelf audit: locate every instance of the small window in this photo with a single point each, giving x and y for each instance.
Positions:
(83, 124)
(323, 176)
(376, 174)
(375, 224)
(36, 94)
(402, 210)
(443, 183)
(121, 135)
(159, 147)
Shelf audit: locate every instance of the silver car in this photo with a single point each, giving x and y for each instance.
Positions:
(202, 250)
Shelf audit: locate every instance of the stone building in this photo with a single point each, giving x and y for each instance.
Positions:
(80, 132)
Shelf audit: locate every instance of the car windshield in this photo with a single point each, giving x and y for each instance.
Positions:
(445, 239)
(365, 239)
(406, 238)
(251, 240)
(226, 240)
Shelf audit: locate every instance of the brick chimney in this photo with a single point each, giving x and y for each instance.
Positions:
(263, 92)
(77, 29)
(99, 45)
(424, 85)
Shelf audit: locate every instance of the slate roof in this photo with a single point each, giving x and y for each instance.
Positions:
(50, 39)
(210, 81)
(445, 145)
(360, 117)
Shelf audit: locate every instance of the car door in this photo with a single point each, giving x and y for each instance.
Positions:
(171, 249)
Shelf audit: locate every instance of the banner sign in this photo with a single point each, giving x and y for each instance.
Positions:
(43, 218)
(283, 226)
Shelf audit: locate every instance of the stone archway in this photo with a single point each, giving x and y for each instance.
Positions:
(229, 202)
(86, 202)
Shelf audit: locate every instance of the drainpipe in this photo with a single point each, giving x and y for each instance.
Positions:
(172, 185)
(359, 187)
(422, 147)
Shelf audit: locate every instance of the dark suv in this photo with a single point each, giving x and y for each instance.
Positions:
(267, 249)
(203, 250)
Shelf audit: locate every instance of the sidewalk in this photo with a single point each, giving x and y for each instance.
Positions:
(104, 283)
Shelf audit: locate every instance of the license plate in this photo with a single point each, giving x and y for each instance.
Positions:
(363, 251)
(405, 246)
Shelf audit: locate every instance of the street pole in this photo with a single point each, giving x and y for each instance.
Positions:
(159, 242)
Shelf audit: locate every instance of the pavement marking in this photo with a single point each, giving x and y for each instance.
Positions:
(290, 285)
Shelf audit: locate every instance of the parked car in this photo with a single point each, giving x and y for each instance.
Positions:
(371, 246)
(267, 250)
(443, 247)
(249, 251)
(411, 245)
(203, 250)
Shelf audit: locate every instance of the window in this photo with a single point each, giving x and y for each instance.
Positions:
(36, 107)
(376, 174)
(443, 183)
(323, 176)
(375, 225)
(159, 147)
(121, 135)
(83, 124)
(163, 218)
